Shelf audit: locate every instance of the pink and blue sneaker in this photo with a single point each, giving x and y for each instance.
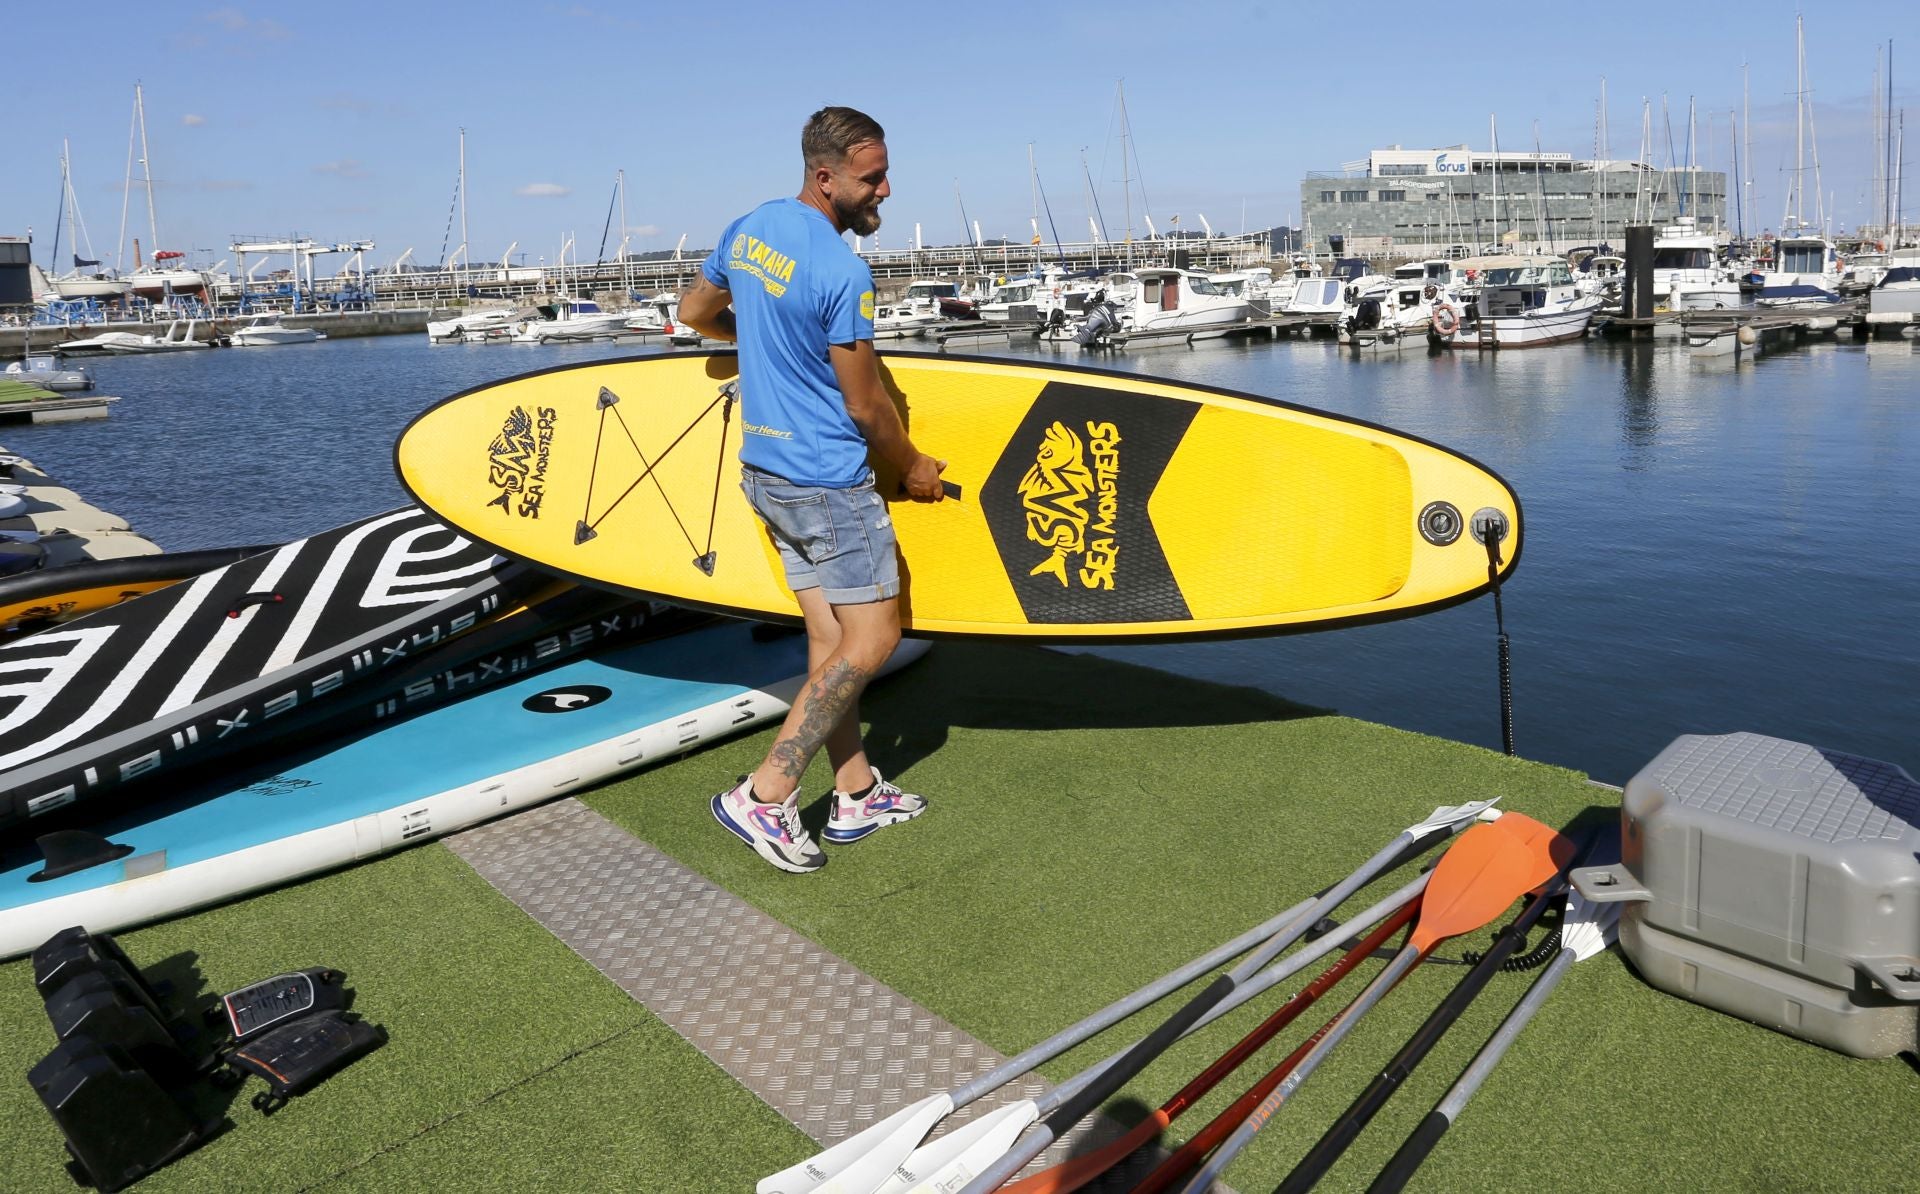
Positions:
(773, 831)
(855, 816)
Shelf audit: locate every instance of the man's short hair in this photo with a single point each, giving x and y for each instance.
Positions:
(831, 134)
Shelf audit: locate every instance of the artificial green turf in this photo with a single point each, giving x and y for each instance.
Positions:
(512, 1064)
(1094, 824)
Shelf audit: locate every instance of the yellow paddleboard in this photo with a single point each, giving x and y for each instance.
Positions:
(1092, 505)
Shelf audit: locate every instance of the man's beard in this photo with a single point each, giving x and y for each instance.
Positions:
(861, 221)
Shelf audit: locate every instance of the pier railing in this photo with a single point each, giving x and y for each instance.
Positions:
(463, 284)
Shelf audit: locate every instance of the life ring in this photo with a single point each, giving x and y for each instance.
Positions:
(1445, 321)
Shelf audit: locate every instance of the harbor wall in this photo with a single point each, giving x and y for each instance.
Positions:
(398, 321)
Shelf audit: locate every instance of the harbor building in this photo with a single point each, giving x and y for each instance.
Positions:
(1431, 202)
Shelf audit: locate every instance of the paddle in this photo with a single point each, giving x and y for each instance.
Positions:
(943, 1165)
(1478, 878)
(863, 1161)
(1190, 1154)
(1077, 1172)
(1354, 1120)
(1444, 822)
(1585, 931)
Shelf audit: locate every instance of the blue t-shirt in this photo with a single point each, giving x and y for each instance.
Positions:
(796, 288)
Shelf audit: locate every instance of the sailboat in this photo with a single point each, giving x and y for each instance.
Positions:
(168, 272)
(77, 283)
(1806, 266)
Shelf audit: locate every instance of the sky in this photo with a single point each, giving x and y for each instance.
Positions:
(341, 121)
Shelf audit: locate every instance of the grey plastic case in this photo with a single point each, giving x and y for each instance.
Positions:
(1778, 882)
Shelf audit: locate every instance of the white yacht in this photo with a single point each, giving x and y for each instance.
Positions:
(1898, 291)
(450, 330)
(1316, 296)
(569, 319)
(1524, 302)
(266, 330)
(1805, 270)
(1863, 271)
(1687, 275)
(657, 314)
(1176, 298)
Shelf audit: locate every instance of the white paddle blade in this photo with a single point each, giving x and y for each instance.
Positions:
(888, 1142)
(946, 1165)
(1587, 928)
(1446, 815)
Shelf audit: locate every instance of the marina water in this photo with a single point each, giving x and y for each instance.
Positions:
(1711, 545)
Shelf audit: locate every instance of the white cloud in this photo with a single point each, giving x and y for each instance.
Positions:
(193, 120)
(643, 230)
(544, 190)
(342, 167)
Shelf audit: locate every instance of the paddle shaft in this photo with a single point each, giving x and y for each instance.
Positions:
(1073, 1174)
(1189, 1154)
(1103, 1086)
(1354, 1120)
(1400, 1169)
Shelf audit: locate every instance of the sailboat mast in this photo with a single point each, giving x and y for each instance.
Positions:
(1126, 177)
(1746, 127)
(126, 194)
(1888, 137)
(1605, 155)
(1799, 117)
(1033, 184)
(1733, 155)
(1493, 134)
(464, 271)
(146, 166)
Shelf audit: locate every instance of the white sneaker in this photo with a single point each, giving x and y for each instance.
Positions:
(772, 830)
(881, 805)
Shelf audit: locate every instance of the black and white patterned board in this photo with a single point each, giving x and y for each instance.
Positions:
(178, 674)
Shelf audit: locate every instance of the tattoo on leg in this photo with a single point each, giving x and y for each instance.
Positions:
(826, 701)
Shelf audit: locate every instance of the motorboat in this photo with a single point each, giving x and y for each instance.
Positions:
(902, 320)
(1524, 302)
(1602, 276)
(1897, 294)
(176, 338)
(1805, 269)
(266, 330)
(49, 372)
(1257, 285)
(453, 329)
(1175, 298)
(1316, 296)
(1687, 275)
(658, 314)
(1863, 271)
(569, 319)
(1013, 300)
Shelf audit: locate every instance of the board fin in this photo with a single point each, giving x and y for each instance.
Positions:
(71, 850)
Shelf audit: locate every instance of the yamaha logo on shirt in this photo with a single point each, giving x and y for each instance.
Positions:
(570, 699)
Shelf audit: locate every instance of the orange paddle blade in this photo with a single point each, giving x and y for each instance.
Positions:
(1525, 827)
(1483, 873)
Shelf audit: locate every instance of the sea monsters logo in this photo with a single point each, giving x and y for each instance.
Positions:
(1055, 492)
(517, 460)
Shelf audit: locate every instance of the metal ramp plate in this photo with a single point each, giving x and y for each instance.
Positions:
(827, 1046)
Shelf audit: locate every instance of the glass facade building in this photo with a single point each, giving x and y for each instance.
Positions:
(1433, 200)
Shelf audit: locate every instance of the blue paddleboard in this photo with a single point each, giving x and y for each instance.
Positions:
(503, 749)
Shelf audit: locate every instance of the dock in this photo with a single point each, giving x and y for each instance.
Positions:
(70, 529)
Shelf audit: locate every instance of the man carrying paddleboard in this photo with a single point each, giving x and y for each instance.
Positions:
(799, 302)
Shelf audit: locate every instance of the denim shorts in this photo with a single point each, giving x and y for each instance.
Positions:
(839, 541)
